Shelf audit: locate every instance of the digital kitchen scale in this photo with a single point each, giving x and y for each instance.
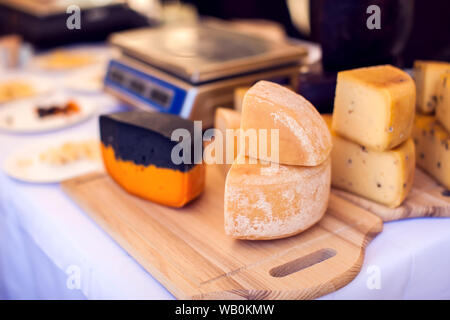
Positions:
(191, 70)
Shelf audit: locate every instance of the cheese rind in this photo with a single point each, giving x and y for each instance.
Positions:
(374, 106)
(443, 106)
(432, 148)
(304, 138)
(224, 119)
(385, 177)
(265, 202)
(426, 76)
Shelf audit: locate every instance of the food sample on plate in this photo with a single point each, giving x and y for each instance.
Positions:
(16, 89)
(382, 176)
(432, 148)
(71, 152)
(374, 106)
(52, 161)
(45, 113)
(304, 138)
(137, 152)
(64, 59)
(268, 200)
(426, 76)
(67, 109)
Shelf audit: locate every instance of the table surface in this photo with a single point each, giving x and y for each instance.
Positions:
(50, 248)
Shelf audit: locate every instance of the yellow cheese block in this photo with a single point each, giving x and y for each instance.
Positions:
(267, 202)
(443, 106)
(226, 118)
(426, 75)
(374, 106)
(432, 148)
(239, 94)
(382, 176)
(304, 138)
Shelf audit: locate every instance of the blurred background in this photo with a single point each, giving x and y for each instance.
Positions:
(334, 30)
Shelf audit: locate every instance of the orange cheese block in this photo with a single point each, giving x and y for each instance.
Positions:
(162, 185)
(137, 154)
(269, 201)
(226, 118)
(304, 138)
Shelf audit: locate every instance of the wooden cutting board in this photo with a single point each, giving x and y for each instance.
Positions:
(189, 253)
(426, 199)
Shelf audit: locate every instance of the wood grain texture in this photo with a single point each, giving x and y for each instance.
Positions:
(426, 199)
(188, 252)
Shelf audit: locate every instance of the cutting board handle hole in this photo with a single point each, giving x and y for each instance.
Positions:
(302, 263)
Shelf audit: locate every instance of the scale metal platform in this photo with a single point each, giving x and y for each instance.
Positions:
(191, 70)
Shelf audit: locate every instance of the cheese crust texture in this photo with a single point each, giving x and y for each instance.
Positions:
(374, 106)
(224, 119)
(385, 177)
(432, 148)
(443, 106)
(426, 76)
(304, 138)
(266, 202)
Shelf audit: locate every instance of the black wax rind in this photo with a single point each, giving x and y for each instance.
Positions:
(145, 137)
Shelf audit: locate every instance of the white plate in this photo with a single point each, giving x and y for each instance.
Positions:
(21, 116)
(38, 172)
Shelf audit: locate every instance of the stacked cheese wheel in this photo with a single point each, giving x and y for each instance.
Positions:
(266, 200)
(432, 125)
(373, 154)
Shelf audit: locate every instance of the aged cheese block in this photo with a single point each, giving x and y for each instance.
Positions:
(304, 138)
(263, 201)
(382, 176)
(426, 75)
(443, 106)
(374, 106)
(228, 119)
(239, 94)
(136, 150)
(432, 148)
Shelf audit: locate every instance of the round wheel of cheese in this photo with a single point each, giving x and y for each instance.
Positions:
(270, 201)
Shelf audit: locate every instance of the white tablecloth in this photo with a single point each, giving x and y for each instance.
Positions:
(46, 242)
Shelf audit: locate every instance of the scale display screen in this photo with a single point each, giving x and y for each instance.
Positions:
(161, 95)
